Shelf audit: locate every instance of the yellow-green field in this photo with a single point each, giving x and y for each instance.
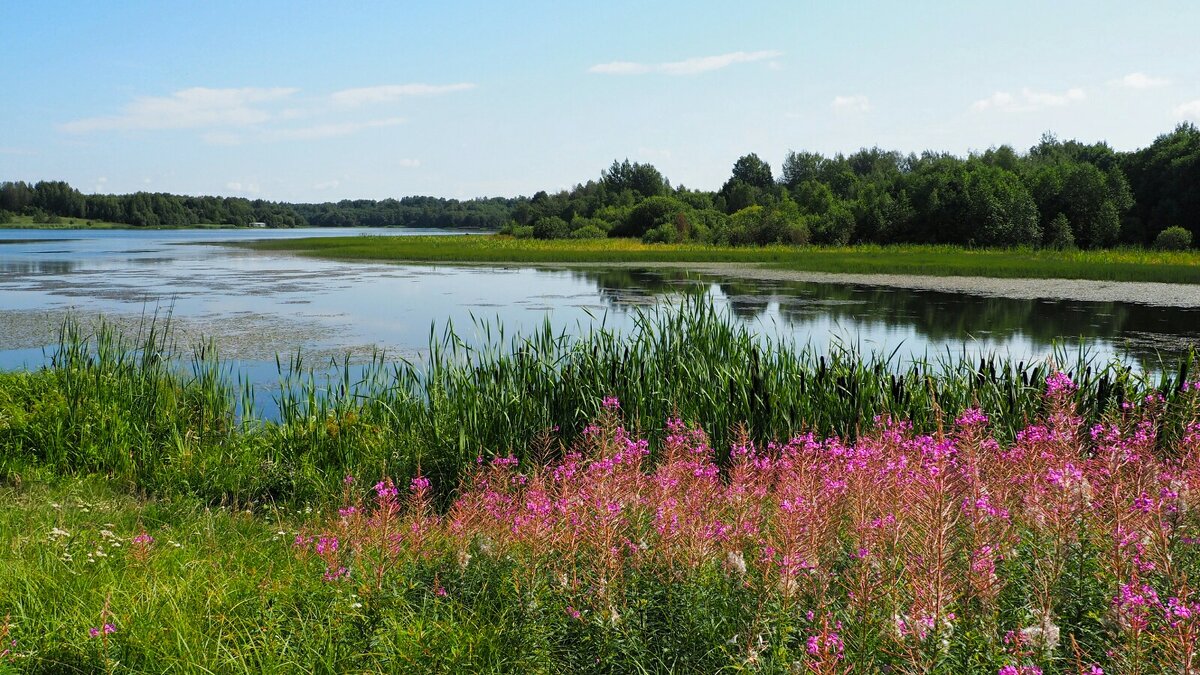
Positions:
(1126, 264)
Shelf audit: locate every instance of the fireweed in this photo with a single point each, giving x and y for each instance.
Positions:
(901, 551)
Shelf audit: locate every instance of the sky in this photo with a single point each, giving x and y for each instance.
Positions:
(321, 101)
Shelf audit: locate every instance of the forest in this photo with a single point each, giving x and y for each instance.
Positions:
(1058, 194)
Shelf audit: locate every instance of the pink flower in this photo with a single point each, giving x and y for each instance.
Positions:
(611, 403)
(1059, 383)
(143, 539)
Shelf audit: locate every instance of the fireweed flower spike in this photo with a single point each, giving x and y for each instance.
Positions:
(911, 533)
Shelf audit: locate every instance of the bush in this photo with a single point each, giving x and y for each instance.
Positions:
(1058, 235)
(649, 214)
(1173, 239)
(551, 227)
(589, 232)
(663, 234)
(521, 231)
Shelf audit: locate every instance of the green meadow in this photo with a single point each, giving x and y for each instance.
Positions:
(1128, 264)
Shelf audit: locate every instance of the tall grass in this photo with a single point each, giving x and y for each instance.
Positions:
(138, 409)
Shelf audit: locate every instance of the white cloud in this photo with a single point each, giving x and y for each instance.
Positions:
(1140, 81)
(408, 163)
(309, 133)
(329, 130)
(1189, 110)
(391, 92)
(1028, 100)
(243, 188)
(188, 109)
(853, 104)
(692, 66)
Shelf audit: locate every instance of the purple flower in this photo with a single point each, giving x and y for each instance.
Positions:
(1059, 383)
(611, 403)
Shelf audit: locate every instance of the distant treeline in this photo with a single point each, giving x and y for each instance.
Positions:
(1059, 194)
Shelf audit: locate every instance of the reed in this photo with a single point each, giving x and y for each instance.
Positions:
(142, 410)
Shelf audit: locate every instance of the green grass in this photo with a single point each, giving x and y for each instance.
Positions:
(147, 414)
(27, 223)
(118, 437)
(1107, 265)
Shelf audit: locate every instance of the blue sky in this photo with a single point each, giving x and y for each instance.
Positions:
(325, 101)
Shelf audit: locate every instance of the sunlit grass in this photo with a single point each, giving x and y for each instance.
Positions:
(1125, 264)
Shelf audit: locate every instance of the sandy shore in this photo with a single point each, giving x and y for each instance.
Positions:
(1146, 293)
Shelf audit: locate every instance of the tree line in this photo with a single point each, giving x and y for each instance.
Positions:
(1058, 194)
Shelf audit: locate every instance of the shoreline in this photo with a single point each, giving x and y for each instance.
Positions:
(1153, 293)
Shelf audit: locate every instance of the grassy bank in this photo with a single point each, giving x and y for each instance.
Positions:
(957, 552)
(1107, 265)
(547, 503)
(28, 223)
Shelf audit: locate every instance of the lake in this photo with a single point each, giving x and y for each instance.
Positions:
(256, 304)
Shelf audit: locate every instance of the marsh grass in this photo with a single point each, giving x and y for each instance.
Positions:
(1125, 264)
(168, 421)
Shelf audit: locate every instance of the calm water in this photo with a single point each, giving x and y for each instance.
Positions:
(257, 304)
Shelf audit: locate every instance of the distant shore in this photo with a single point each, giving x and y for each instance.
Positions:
(885, 265)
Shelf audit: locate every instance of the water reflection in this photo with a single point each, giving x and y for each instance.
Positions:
(1143, 332)
(257, 304)
(41, 267)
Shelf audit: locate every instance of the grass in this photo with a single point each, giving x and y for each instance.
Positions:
(168, 421)
(27, 223)
(1107, 265)
(563, 530)
(950, 553)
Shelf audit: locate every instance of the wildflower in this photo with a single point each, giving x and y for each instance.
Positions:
(972, 417)
(337, 574)
(736, 562)
(143, 539)
(348, 480)
(106, 629)
(385, 490)
(1059, 383)
(419, 483)
(574, 613)
(611, 403)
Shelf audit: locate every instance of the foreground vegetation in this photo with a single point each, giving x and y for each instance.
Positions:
(1108, 265)
(545, 503)
(1057, 195)
(1068, 549)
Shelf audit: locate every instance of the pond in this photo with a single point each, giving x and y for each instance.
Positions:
(255, 304)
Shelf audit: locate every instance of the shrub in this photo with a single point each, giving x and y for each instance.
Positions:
(1058, 234)
(521, 231)
(1173, 239)
(589, 232)
(551, 227)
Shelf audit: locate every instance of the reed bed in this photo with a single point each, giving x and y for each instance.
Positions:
(137, 408)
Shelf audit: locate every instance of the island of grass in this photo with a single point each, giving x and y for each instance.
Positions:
(1124, 264)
